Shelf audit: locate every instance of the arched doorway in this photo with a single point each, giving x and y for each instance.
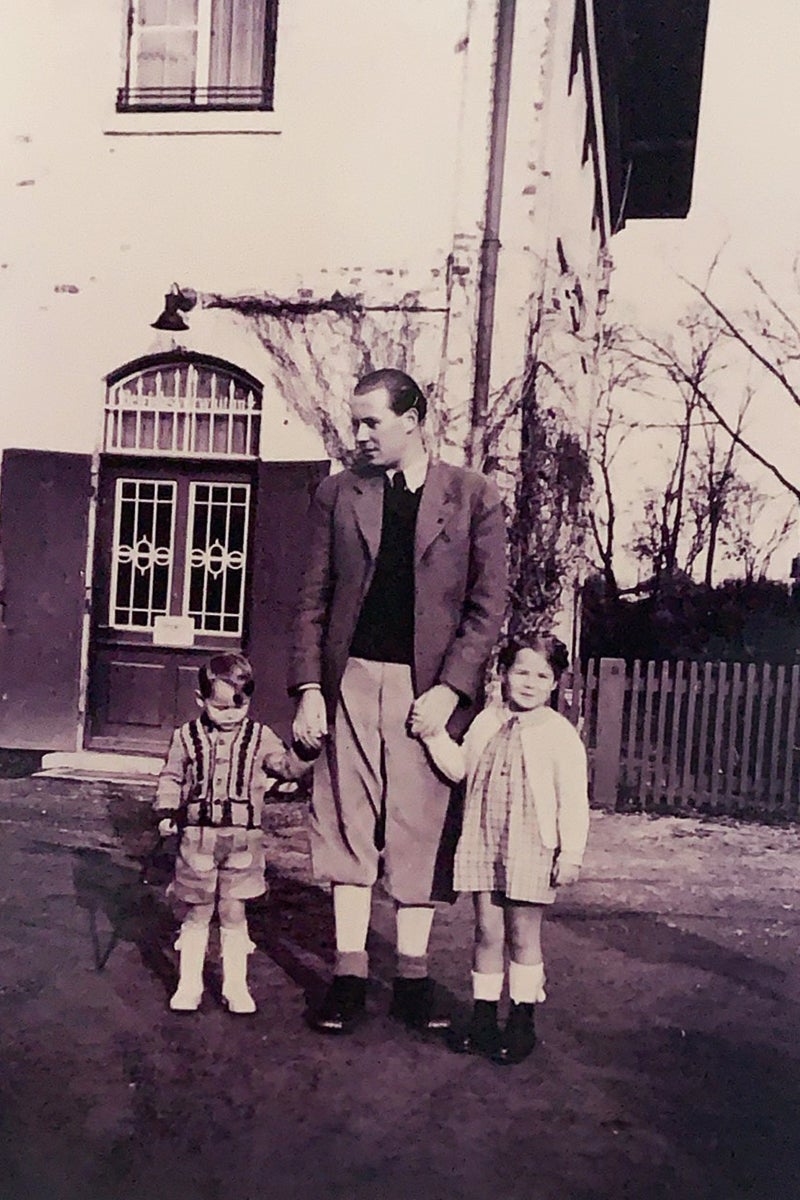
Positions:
(173, 540)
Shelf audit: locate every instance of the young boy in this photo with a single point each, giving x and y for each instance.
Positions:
(211, 792)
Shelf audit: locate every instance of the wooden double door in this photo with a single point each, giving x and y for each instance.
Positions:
(172, 583)
(191, 558)
(220, 543)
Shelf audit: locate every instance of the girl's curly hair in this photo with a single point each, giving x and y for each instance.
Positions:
(553, 650)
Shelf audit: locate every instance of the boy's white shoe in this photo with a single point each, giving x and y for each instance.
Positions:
(192, 942)
(236, 946)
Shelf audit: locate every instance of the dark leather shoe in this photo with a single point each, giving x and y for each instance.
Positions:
(343, 1007)
(519, 1036)
(483, 1034)
(413, 1004)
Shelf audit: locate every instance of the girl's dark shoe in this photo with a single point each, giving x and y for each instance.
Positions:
(343, 1007)
(519, 1035)
(413, 1003)
(483, 1034)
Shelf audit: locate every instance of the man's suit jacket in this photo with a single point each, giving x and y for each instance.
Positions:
(459, 580)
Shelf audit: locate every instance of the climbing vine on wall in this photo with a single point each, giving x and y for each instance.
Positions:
(319, 346)
(548, 522)
(547, 507)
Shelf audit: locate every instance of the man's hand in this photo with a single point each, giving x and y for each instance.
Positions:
(167, 827)
(311, 720)
(431, 711)
(565, 872)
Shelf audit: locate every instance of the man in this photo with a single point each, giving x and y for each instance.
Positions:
(402, 600)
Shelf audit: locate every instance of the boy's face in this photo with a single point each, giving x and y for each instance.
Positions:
(220, 706)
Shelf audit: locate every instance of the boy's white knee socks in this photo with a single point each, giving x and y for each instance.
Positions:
(191, 944)
(236, 947)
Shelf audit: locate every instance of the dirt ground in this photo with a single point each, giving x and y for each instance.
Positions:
(667, 1067)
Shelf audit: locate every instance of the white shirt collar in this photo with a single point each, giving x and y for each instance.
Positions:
(414, 475)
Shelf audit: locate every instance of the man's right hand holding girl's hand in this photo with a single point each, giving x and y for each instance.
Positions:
(565, 872)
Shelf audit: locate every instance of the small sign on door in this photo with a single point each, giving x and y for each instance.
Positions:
(173, 631)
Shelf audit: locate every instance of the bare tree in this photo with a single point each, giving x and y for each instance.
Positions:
(769, 337)
(619, 374)
(671, 511)
(743, 530)
(714, 491)
(606, 444)
(682, 517)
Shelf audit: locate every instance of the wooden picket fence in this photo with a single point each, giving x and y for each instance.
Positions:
(711, 737)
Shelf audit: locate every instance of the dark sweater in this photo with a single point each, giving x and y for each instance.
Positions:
(385, 629)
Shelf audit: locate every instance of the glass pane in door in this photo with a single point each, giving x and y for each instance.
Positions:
(217, 556)
(142, 552)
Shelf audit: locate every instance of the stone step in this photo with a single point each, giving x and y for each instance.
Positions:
(96, 765)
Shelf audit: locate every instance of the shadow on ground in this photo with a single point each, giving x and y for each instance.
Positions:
(666, 1069)
(650, 939)
(730, 1106)
(292, 923)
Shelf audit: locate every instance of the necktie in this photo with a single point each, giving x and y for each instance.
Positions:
(398, 483)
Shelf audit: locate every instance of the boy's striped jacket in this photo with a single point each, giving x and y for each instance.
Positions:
(217, 778)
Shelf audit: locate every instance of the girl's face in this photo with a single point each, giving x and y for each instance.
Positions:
(529, 681)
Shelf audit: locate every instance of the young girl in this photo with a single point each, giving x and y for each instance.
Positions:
(526, 821)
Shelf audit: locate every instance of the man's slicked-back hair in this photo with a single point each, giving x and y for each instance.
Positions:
(233, 669)
(404, 393)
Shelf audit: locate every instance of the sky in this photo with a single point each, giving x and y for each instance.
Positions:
(746, 199)
(745, 206)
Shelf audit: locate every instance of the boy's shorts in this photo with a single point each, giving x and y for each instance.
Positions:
(228, 863)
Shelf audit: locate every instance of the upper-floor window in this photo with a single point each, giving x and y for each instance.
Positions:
(184, 406)
(199, 54)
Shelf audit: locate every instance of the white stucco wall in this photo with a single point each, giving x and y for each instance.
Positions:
(549, 194)
(353, 175)
(370, 172)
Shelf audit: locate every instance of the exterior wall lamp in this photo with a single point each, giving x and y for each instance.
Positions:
(176, 301)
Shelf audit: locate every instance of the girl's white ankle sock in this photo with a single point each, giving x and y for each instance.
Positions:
(526, 982)
(487, 986)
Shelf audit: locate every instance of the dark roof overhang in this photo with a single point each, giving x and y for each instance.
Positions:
(650, 61)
